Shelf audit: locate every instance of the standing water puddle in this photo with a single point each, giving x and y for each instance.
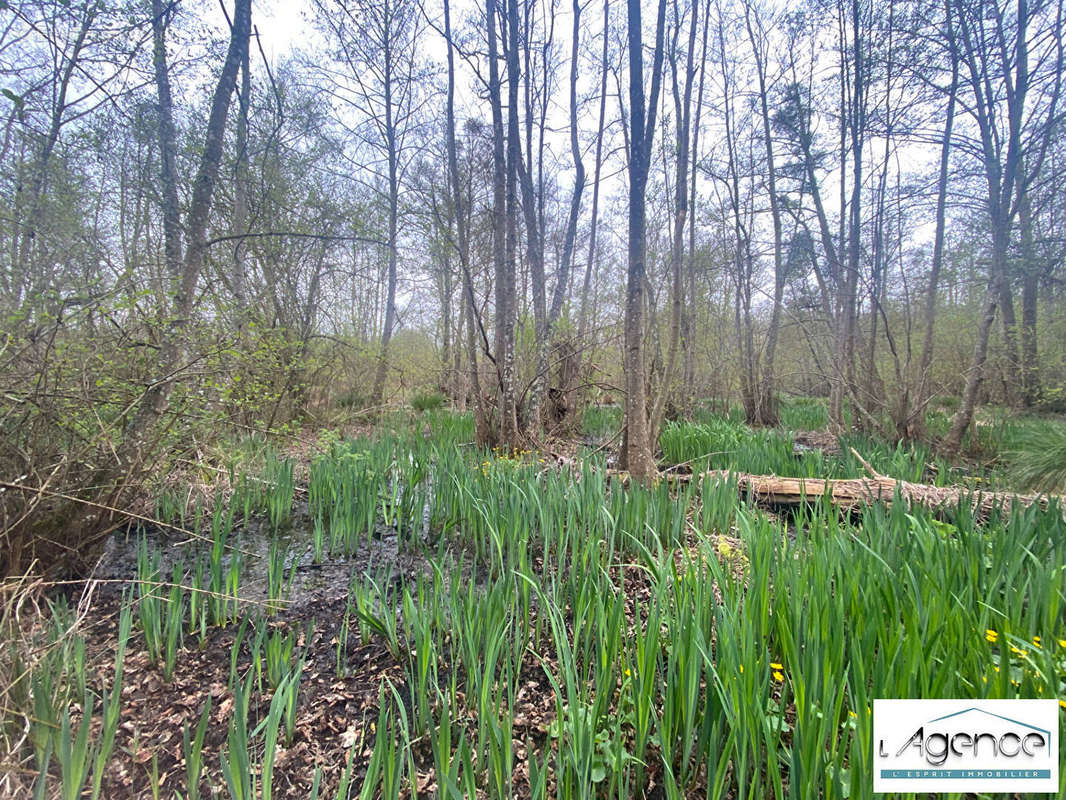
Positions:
(308, 583)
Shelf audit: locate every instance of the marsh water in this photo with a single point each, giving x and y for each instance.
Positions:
(309, 581)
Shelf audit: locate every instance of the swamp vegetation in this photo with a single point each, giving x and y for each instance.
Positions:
(405, 614)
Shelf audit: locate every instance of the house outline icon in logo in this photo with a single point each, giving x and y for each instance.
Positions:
(1047, 733)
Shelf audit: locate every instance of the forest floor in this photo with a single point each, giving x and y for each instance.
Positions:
(382, 613)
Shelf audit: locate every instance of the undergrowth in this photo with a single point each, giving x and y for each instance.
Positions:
(673, 636)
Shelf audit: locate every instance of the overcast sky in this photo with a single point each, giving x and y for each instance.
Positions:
(284, 26)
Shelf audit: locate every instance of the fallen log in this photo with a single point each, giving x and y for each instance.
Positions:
(851, 494)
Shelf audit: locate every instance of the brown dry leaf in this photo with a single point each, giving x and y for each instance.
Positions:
(350, 736)
(282, 757)
(426, 783)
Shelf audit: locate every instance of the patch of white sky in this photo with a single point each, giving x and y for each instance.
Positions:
(285, 28)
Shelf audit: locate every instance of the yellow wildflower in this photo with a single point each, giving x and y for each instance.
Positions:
(775, 665)
(1062, 642)
(991, 635)
(779, 677)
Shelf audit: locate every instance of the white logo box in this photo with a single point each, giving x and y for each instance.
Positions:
(966, 746)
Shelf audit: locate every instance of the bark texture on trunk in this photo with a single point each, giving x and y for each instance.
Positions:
(637, 453)
(964, 416)
(1003, 174)
(683, 114)
(546, 335)
(241, 180)
(584, 313)
(503, 234)
(394, 209)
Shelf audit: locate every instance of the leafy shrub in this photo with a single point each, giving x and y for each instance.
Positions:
(1053, 401)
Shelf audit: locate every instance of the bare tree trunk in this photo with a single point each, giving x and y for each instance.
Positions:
(1030, 364)
(637, 454)
(517, 180)
(743, 267)
(570, 237)
(766, 402)
(856, 118)
(926, 360)
(688, 327)
(585, 352)
(30, 205)
(584, 313)
(683, 115)
(460, 388)
(240, 193)
(874, 394)
(482, 427)
(168, 178)
(835, 269)
(394, 206)
(155, 401)
(503, 244)
(964, 416)
(546, 336)
(1008, 318)
(1002, 162)
(1030, 368)
(447, 379)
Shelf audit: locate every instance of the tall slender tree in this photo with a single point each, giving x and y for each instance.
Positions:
(637, 450)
